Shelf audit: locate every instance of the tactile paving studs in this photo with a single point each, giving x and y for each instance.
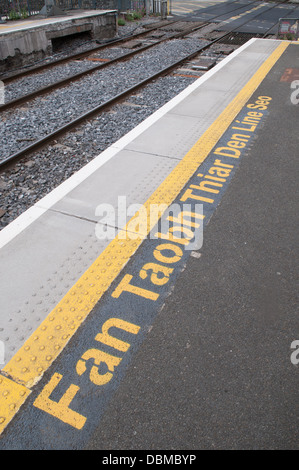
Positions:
(32, 310)
(12, 396)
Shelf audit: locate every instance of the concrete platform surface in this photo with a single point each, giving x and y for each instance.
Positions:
(63, 286)
(40, 21)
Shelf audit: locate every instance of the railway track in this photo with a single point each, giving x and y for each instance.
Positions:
(268, 32)
(63, 82)
(110, 43)
(80, 55)
(162, 26)
(96, 110)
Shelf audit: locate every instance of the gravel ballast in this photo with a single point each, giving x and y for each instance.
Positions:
(47, 113)
(29, 180)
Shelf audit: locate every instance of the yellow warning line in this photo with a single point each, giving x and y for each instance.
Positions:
(19, 25)
(37, 354)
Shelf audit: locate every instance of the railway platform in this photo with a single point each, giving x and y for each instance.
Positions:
(25, 41)
(149, 301)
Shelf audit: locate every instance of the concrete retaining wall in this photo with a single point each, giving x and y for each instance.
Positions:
(25, 46)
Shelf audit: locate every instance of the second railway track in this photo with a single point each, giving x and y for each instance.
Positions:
(101, 62)
(150, 37)
(168, 29)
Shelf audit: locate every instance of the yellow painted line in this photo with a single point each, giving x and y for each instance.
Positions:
(51, 337)
(19, 25)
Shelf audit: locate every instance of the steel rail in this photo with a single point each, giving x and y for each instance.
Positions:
(105, 45)
(98, 109)
(80, 55)
(65, 81)
(273, 26)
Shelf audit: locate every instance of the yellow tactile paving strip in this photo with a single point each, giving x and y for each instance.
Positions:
(37, 354)
(12, 396)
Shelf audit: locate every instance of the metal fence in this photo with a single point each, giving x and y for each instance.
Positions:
(86, 4)
(155, 6)
(160, 6)
(13, 9)
(16, 9)
(135, 5)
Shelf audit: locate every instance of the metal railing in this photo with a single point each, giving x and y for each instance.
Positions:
(160, 6)
(130, 5)
(17, 9)
(154, 6)
(20, 9)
